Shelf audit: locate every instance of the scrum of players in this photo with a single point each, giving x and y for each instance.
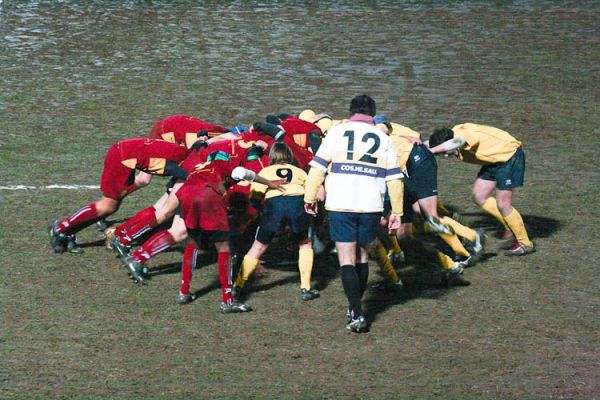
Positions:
(370, 182)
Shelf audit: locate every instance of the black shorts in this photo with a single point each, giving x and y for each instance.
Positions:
(422, 173)
(353, 227)
(203, 236)
(282, 210)
(509, 174)
(408, 216)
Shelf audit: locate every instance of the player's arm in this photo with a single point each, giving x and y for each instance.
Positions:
(240, 173)
(449, 145)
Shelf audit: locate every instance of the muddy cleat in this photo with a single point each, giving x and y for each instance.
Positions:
(476, 247)
(437, 226)
(72, 246)
(235, 307)
(452, 275)
(122, 249)
(136, 269)
(101, 225)
(185, 298)
(465, 262)
(309, 294)
(398, 286)
(357, 325)
(520, 249)
(58, 241)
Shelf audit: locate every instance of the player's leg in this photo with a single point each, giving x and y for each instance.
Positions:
(188, 266)
(252, 259)
(482, 195)
(515, 223)
(228, 305)
(61, 232)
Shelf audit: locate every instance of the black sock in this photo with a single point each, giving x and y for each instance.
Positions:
(351, 285)
(362, 270)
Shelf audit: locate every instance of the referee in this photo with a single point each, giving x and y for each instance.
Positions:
(359, 161)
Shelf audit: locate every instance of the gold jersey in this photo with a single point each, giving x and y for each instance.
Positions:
(485, 144)
(294, 176)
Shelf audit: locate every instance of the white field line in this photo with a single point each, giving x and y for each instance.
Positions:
(68, 187)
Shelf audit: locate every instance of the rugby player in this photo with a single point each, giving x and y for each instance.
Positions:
(503, 169)
(281, 207)
(117, 181)
(359, 161)
(204, 212)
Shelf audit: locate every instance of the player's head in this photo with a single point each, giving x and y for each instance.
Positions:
(280, 153)
(383, 123)
(440, 136)
(363, 104)
(324, 122)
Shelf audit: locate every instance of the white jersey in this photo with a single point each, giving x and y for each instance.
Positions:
(359, 158)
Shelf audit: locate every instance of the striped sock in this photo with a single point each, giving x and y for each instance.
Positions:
(159, 242)
(188, 266)
(78, 220)
(137, 225)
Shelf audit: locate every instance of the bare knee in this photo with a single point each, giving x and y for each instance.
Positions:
(106, 206)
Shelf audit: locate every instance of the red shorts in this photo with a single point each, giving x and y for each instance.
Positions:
(202, 208)
(117, 179)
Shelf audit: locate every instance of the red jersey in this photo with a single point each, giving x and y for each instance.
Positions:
(183, 129)
(149, 155)
(214, 174)
(298, 130)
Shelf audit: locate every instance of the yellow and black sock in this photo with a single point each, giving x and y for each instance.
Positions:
(382, 260)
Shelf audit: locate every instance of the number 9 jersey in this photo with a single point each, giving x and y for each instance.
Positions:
(359, 159)
(294, 177)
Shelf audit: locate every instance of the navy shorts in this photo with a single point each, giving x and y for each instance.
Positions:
(353, 227)
(509, 174)
(422, 174)
(408, 216)
(282, 210)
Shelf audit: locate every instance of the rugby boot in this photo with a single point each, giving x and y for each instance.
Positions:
(357, 325)
(122, 249)
(137, 270)
(235, 307)
(185, 298)
(109, 236)
(437, 226)
(520, 249)
(58, 241)
(236, 293)
(72, 245)
(101, 225)
(452, 275)
(309, 294)
(476, 247)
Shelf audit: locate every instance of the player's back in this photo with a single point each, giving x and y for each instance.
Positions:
(359, 156)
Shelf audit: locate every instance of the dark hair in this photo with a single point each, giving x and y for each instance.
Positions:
(363, 105)
(280, 153)
(440, 136)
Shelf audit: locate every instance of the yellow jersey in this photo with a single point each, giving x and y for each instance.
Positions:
(401, 144)
(485, 144)
(294, 176)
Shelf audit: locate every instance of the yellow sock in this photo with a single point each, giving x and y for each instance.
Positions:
(381, 258)
(516, 225)
(395, 249)
(445, 261)
(248, 267)
(455, 244)
(460, 229)
(490, 206)
(305, 264)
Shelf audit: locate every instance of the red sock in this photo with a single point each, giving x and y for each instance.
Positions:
(137, 225)
(225, 276)
(78, 220)
(160, 241)
(187, 267)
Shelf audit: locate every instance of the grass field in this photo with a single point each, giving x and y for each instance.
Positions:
(76, 79)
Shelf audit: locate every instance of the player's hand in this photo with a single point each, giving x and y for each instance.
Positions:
(451, 153)
(277, 184)
(202, 134)
(311, 208)
(394, 223)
